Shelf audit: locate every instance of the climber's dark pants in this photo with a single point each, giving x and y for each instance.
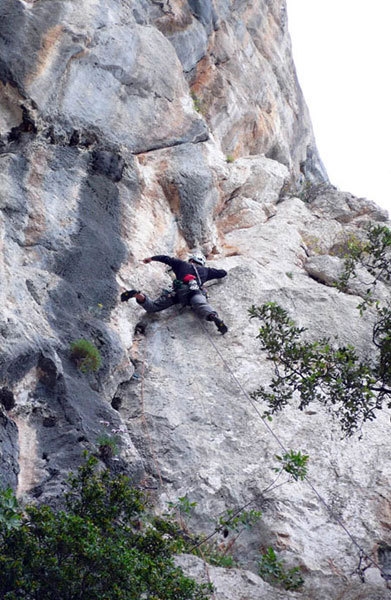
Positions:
(197, 301)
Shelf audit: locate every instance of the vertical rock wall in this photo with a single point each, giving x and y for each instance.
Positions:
(139, 127)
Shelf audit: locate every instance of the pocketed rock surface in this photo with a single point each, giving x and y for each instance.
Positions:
(135, 128)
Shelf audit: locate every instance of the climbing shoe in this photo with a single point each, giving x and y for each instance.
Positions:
(125, 296)
(221, 326)
(140, 328)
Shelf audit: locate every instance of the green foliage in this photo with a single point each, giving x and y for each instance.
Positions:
(107, 445)
(294, 463)
(310, 191)
(229, 158)
(86, 356)
(233, 521)
(180, 511)
(273, 571)
(173, 527)
(10, 513)
(102, 546)
(350, 389)
(381, 337)
(183, 506)
(216, 554)
(314, 244)
(238, 521)
(374, 255)
(344, 246)
(197, 103)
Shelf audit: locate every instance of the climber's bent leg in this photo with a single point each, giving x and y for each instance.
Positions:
(151, 306)
(204, 310)
(201, 307)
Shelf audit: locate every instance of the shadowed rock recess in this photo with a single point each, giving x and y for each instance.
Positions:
(131, 128)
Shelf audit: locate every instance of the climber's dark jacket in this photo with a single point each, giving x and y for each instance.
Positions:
(182, 268)
(184, 292)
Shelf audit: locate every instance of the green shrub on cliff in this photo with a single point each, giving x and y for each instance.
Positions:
(102, 546)
(352, 388)
(314, 371)
(85, 355)
(273, 570)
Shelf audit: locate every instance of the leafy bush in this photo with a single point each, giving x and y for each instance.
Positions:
(316, 371)
(350, 388)
(374, 255)
(239, 520)
(273, 571)
(86, 356)
(102, 546)
(107, 445)
(214, 552)
(310, 191)
(10, 513)
(293, 463)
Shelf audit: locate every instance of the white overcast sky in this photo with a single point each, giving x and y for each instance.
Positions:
(342, 53)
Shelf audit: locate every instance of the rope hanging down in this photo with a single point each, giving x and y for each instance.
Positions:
(279, 442)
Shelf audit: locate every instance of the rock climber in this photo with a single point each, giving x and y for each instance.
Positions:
(187, 288)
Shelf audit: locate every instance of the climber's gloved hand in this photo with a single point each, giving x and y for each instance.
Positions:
(147, 260)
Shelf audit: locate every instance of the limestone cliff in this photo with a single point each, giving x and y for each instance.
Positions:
(139, 127)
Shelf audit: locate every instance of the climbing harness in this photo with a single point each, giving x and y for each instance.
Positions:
(188, 286)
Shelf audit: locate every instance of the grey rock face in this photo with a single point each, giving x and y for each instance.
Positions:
(8, 446)
(77, 71)
(116, 74)
(245, 585)
(137, 128)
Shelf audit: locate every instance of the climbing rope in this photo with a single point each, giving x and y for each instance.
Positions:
(279, 442)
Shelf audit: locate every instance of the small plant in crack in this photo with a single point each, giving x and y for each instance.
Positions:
(293, 463)
(85, 355)
(107, 446)
(273, 570)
